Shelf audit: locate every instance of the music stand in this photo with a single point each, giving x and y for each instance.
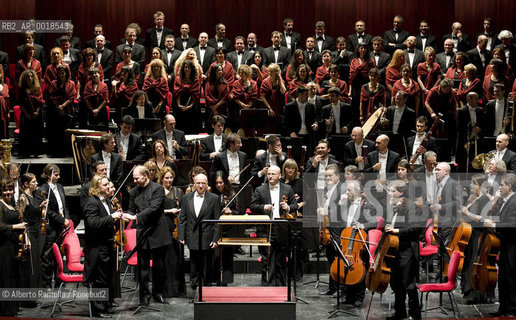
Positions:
(295, 238)
(254, 118)
(146, 126)
(347, 267)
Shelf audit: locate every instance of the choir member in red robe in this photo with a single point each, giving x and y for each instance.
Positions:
(497, 75)
(301, 78)
(124, 90)
(428, 72)
(4, 106)
(334, 81)
(31, 121)
(217, 92)
(372, 96)
(409, 86)
(272, 93)
(393, 71)
(95, 96)
(156, 87)
(28, 62)
(88, 64)
(323, 72)
(297, 59)
(470, 83)
(227, 68)
(187, 92)
(56, 59)
(456, 72)
(244, 93)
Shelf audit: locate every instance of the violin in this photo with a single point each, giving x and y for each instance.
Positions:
(324, 231)
(44, 224)
(286, 214)
(120, 239)
(352, 242)
(176, 220)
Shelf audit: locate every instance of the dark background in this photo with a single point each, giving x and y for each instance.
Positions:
(260, 17)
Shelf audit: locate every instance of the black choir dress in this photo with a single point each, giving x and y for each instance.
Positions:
(8, 242)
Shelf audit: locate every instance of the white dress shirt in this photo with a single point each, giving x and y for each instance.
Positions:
(104, 203)
(217, 142)
(336, 116)
(124, 142)
(382, 158)
(352, 211)
(107, 160)
(60, 205)
(302, 112)
(275, 198)
(398, 113)
(499, 115)
(234, 166)
(198, 201)
(321, 179)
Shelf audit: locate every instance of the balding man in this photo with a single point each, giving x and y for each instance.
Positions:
(195, 207)
(446, 58)
(359, 37)
(447, 200)
(413, 55)
(174, 138)
(252, 44)
(480, 56)
(205, 53)
(502, 152)
(220, 41)
(382, 160)
(460, 40)
(104, 55)
(185, 41)
(356, 150)
(268, 200)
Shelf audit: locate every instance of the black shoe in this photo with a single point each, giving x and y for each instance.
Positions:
(470, 301)
(328, 292)
(114, 305)
(357, 304)
(102, 315)
(499, 313)
(160, 299)
(144, 302)
(239, 251)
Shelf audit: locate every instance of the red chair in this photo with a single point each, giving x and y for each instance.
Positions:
(17, 116)
(73, 251)
(445, 286)
(65, 278)
(426, 252)
(169, 102)
(130, 235)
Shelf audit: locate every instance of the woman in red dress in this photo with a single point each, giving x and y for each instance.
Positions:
(499, 53)
(297, 59)
(28, 62)
(373, 96)
(4, 106)
(323, 72)
(31, 122)
(56, 59)
(470, 83)
(187, 92)
(428, 72)
(409, 86)
(393, 71)
(227, 68)
(156, 87)
(60, 111)
(272, 93)
(497, 75)
(126, 62)
(217, 92)
(334, 81)
(359, 75)
(244, 93)
(89, 62)
(301, 78)
(124, 90)
(456, 71)
(95, 96)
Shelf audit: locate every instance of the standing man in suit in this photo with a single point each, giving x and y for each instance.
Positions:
(196, 207)
(502, 152)
(276, 53)
(75, 42)
(39, 52)
(426, 174)
(354, 150)
(492, 37)
(414, 143)
(240, 56)
(129, 144)
(470, 116)
(99, 169)
(413, 56)
(445, 59)
(174, 138)
(230, 161)
(318, 163)
(219, 41)
(312, 56)
(273, 156)
(98, 30)
(495, 117)
(359, 37)
(425, 39)
(104, 56)
(508, 46)
(185, 41)
(152, 234)
(170, 55)
(71, 56)
(268, 199)
(341, 58)
(99, 240)
(504, 230)
(299, 117)
(214, 143)
(322, 41)
(155, 37)
(57, 219)
(381, 58)
(395, 38)
(460, 40)
(252, 44)
(480, 56)
(112, 159)
(289, 38)
(447, 199)
(382, 160)
(205, 53)
(337, 116)
(137, 50)
(397, 117)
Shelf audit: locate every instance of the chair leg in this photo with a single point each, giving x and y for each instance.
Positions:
(426, 306)
(57, 298)
(456, 305)
(452, 306)
(123, 278)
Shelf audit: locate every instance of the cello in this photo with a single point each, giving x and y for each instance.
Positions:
(352, 241)
(459, 238)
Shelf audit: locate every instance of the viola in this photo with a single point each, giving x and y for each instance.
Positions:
(120, 239)
(352, 242)
(176, 220)
(286, 214)
(44, 224)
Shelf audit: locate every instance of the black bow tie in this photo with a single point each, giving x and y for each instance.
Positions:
(276, 48)
(377, 54)
(239, 52)
(170, 51)
(100, 51)
(288, 34)
(252, 48)
(65, 52)
(454, 37)
(219, 40)
(130, 45)
(423, 37)
(449, 54)
(360, 36)
(159, 29)
(202, 48)
(411, 51)
(320, 38)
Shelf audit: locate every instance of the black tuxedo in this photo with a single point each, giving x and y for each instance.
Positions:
(315, 61)
(220, 163)
(430, 146)
(254, 49)
(450, 203)
(309, 167)
(440, 58)
(512, 55)
(342, 63)
(209, 58)
(407, 118)
(39, 54)
(463, 132)
(328, 43)
(463, 45)
(178, 135)
(208, 146)
(75, 42)
(494, 39)
(295, 41)
(152, 235)
(474, 57)
(390, 37)
(383, 61)
(226, 43)
(137, 54)
(138, 40)
(135, 150)
(92, 43)
(392, 161)
(190, 43)
(232, 57)
(490, 118)
(291, 119)
(151, 38)
(350, 153)
(283, 57)
(75, 55)
(106, 61)
(352, 43)
(116, 172)
(176, 53)
(419, 57)
(262, 160)
(430, 42)
(346, 117)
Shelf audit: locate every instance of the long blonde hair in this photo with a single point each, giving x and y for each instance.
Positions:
(182, 59)
(154, 62)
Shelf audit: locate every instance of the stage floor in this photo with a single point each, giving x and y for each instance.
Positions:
(317, 308)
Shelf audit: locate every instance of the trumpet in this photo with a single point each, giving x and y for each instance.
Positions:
(482, 160)
(509, 114)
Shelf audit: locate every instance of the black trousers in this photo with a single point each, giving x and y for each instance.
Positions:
(507, 277)
(48, 259)
(201, 261)
(403, 282)
(144, 257)
(100, 274)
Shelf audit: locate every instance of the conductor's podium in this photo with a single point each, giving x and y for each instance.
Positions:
(258, 303)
